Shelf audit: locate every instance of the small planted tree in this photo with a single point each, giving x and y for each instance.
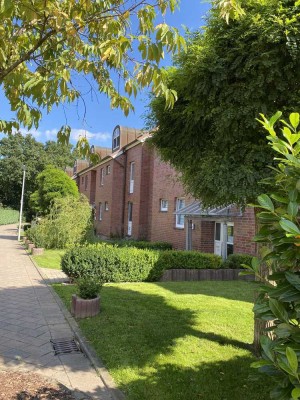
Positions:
(279, 295)
(68, 223)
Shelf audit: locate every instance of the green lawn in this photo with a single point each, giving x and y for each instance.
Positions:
(8, 216)
(50, 259)
(176, 341)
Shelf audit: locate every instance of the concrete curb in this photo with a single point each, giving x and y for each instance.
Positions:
(90, 353)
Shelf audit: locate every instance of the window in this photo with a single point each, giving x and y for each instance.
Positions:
(218, 231)
(163, 205)
(116, 138)
(106, 206)
(107, 169)
(86, 182)
(131, 181)
(82, 179)
(100, 212)
(101, 177)
(180, 203)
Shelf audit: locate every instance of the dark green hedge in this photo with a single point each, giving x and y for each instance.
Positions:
(139, 244)
(129, 264)
(109, 263)
(183, 260)
(236, 260)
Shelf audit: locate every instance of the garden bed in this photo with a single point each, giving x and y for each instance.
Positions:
(176, 340)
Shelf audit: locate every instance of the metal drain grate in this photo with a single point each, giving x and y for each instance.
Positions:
(64, 346)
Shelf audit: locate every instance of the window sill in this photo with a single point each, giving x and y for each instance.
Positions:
(179, 227)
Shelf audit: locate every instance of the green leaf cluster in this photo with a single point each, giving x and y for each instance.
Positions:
(16, 151)
(45, 45)
(52, 183)
(279, 230)
(229, 74)
(67, 223)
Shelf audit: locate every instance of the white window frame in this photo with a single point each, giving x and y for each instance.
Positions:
(106, 206)
(107, 169)
(164, 205)
(131, 177)
(101, 176)
(100, 212)
(116, 138)
(180, 203)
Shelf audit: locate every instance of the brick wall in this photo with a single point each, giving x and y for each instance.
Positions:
(244, 230)
(203, 235)
(118, 196)
(134, 155)
(83, 187)
(165, 185)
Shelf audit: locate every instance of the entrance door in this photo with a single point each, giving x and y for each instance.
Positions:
(129, 229)
(224, 237)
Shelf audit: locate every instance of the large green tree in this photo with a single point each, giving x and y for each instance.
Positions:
(52, 183)
(17, 151)
(46, 44)
(230, 74)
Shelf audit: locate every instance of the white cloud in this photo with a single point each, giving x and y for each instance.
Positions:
(35, 133)
(99, 138)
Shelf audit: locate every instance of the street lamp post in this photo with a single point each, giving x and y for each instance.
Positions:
(21, 208)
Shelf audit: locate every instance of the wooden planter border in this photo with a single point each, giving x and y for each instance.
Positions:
(83, 308)
(204, 275)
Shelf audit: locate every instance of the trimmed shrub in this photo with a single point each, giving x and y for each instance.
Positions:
(181, 259)
(109, 263)
(235, 261)
(144, 245)
(88, 287)
(116, 264)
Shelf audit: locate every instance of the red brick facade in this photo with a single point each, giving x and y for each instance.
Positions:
(133, 177)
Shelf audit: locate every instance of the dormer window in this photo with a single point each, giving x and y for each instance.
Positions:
(116, 139)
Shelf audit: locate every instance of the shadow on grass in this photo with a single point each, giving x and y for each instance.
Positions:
(223, 380)
(231, 290)
(154, 351)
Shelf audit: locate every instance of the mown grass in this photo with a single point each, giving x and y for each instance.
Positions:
(176, 340)
(8, 216)
(50, 259)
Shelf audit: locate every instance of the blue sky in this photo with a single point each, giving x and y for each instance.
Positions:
(100, 119)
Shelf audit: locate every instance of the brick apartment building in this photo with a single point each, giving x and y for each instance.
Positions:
(137, 195)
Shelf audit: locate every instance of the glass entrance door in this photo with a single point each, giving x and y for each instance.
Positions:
(224, 239)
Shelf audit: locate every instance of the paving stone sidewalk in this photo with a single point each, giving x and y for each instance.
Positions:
(53, 275)
(30, 317)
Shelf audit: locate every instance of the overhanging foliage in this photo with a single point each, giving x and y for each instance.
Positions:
(229, 75)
